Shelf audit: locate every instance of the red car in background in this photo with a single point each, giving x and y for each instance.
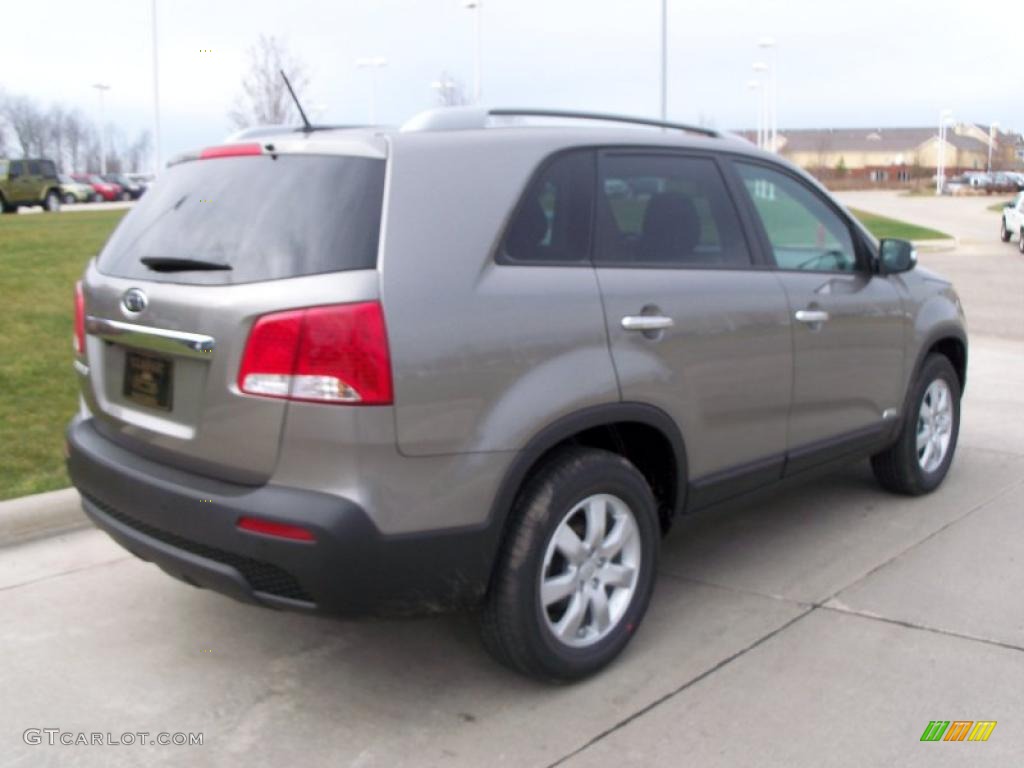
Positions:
(103, 189)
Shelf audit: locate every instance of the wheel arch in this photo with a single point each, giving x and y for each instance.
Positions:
(951, 343)
(644, 434)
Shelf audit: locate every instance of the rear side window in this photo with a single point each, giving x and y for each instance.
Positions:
(33, 168)
(48, 169)
(16, 168)
(267, 218)
(665, 210)
(551, 224)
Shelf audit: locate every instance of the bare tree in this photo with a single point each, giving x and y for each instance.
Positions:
(137, 152)
(450, 91)
(27, 122)
(76, 135)
(54, 125)
(264, 99)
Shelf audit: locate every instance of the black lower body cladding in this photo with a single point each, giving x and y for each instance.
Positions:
(187, 524)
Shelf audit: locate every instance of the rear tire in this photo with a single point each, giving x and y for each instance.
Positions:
(7, 207)
(919, 460)
(586, 531)
(1004, 233)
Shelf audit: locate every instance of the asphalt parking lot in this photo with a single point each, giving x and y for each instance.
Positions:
(825, 625)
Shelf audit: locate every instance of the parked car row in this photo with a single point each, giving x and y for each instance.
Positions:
(108, 187)
(35, 181)
(998, 182)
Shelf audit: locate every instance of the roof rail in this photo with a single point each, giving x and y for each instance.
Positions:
(469, 118)
(506, 112)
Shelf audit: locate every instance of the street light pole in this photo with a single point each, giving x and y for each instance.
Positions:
(475, 6)
(156, 96)
(991, 141)
(373, 64)
(762, 142)
(754, 86)
(664, 60)
(100, 88)
(773, 120)
(940, 171)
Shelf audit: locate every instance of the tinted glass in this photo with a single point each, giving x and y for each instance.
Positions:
(48, 169)
(267, 218)
(805, 233)
(551, 224)
(666, 211)
(16, 168)
(33, 168)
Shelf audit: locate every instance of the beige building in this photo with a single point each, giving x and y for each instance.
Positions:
(897, 154)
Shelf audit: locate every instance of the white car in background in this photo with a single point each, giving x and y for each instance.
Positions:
(1013, 221)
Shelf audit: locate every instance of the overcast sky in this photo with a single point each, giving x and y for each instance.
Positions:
(869, 63)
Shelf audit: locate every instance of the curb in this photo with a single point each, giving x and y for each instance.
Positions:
(936, 246)
(39, 515)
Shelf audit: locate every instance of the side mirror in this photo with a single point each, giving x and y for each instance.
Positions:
(896, 256)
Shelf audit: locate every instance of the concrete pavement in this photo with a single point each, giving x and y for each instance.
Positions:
(825, 625)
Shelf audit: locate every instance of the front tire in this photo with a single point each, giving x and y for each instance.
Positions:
(919, 460)
(51, 204)
(1020, 241)
(1004, 233)
(577, 570)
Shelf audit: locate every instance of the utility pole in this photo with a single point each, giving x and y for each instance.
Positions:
(664, 60)
(100, 88)
(156, 98)
(476, 7)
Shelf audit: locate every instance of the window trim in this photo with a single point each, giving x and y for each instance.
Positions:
(502, 258)
(757, 261)
(863, 254)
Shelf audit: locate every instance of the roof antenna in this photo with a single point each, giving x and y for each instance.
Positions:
(308, 126)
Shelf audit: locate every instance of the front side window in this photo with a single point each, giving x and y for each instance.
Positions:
(666, 211)
(804, 232)
(551, 224)
(49, 170)
(33, 168)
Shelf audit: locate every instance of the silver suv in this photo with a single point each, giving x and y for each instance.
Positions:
(484, 362)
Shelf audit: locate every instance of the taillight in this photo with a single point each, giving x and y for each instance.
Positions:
(79, 320)
(335, 354)
(231, 150)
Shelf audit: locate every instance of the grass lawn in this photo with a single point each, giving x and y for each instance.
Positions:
(882, 226)
(41, 257)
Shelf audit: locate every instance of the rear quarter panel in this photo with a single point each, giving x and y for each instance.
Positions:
(484, 355)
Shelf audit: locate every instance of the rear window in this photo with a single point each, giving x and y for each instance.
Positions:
(267, 218)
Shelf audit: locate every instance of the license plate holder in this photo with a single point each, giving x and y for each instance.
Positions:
(147, 380)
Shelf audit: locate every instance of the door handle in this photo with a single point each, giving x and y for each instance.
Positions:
(811, 316)
(646, 322)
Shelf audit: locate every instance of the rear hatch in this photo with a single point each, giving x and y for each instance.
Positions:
(169, 303)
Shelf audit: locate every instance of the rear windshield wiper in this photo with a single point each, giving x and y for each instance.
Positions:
(174, 264)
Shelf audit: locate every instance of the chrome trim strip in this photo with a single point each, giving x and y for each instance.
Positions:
(146, 337)
(81, 367)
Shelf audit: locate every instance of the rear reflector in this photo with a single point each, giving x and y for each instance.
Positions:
(79, 320)
(270, 528)
(231, 150)
(335, 354)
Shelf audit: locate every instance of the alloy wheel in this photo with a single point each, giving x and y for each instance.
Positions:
(590, 570)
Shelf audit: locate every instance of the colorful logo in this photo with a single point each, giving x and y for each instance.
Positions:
(958, 730)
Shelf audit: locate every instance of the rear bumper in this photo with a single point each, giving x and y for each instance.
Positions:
(186, 524)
